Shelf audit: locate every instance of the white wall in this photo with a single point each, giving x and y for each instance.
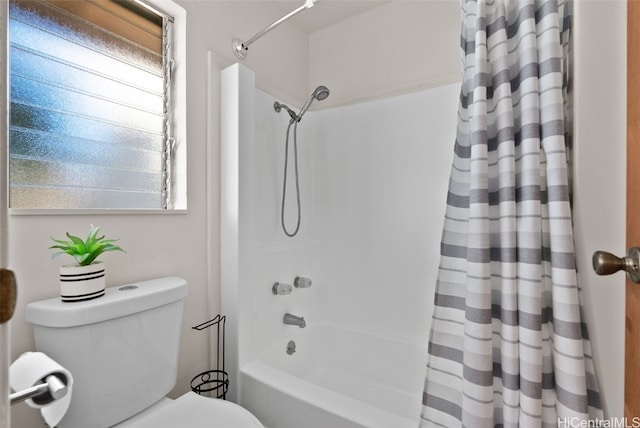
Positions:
(599, 194)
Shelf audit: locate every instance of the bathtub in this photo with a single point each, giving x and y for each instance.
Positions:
(337, 378)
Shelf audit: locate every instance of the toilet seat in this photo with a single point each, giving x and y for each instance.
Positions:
(195, 411)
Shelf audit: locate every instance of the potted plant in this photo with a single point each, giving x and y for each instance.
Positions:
(83, 280)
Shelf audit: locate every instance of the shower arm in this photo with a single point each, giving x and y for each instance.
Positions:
(240, 48)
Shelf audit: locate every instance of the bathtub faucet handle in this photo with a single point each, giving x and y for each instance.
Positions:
(301, 282)
(280, 288)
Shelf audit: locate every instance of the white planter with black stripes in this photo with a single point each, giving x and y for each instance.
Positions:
(79, 283)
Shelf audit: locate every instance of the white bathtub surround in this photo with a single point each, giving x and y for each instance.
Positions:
(373, 186)
(509, 343)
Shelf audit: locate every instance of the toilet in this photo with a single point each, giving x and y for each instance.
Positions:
(122, 350)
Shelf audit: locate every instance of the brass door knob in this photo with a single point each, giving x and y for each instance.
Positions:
(605, 263)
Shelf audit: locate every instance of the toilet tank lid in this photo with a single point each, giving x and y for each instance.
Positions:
(117, 302)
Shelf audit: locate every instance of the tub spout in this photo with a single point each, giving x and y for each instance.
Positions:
(294, 320)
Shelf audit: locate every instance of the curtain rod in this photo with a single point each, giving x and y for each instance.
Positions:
(240, 48)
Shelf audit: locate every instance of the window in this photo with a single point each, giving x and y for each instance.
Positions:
(91, 115)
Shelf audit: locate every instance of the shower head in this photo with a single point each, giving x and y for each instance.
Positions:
(320, 93)
(277, 107)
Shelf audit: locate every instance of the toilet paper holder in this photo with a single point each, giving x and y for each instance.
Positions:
(51, 389)
(213, 382)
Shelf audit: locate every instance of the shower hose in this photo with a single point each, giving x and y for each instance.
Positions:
(284, 184)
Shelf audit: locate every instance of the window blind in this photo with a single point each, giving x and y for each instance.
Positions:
(87, 121)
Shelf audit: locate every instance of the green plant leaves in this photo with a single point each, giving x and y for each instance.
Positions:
(85, 252)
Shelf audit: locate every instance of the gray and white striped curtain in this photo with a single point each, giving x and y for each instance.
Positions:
(508, 343)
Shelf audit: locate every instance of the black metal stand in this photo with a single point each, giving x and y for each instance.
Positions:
(214, 381)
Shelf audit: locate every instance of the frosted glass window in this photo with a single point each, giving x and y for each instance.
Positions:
(88, 121)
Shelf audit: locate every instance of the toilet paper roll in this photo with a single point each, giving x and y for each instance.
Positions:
(32, 368)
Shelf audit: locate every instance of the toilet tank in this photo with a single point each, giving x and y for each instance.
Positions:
(121, 349)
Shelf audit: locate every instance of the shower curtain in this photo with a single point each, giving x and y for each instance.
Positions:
(508, 343)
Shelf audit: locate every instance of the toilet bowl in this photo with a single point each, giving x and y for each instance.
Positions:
(194, 411)
(122, 350)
